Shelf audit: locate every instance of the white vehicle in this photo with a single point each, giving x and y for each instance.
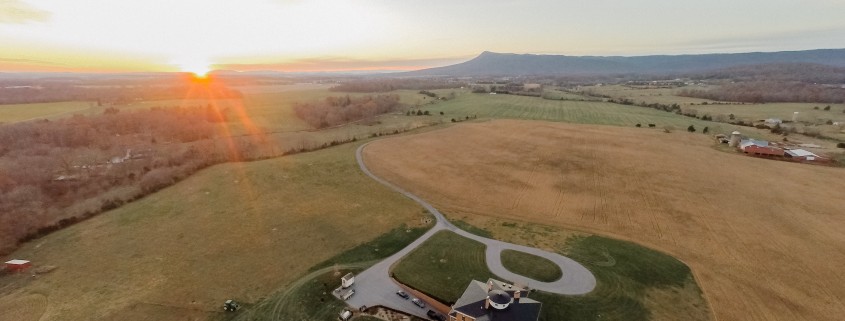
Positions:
(347, 280)
(418, 302)
(345, 315)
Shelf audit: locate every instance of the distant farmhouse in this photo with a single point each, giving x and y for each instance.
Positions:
(773, 121)
(495, 300)
(775, 150)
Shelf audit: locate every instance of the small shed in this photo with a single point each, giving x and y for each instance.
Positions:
(347, 280)
(773, 121)
(18, 265)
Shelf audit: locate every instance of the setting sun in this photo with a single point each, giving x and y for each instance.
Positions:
(199, 68)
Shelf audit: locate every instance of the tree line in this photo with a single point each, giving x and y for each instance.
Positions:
(55, 173)
(391, 84)
(57, 92)
(337, 110)
(770, 91)
(781, 72)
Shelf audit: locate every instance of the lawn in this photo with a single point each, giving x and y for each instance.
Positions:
(443, 266)
(310, 298)
(530, 265)
(632, 281)
(627, 277)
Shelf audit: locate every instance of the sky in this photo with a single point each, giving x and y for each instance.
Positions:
(345, 35)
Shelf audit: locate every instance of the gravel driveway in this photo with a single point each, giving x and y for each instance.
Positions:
(374, 287)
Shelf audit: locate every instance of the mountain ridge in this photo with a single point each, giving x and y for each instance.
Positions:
(490, 63)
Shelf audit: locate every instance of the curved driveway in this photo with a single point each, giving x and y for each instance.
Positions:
(374, 286)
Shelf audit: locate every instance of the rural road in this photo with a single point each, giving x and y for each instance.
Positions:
(374, 286)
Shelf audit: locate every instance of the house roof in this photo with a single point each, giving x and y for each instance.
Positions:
(472, 303)
(753, 142)
(17, 262)
(800, 153)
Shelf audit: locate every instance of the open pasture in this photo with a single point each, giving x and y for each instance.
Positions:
(236, 230)
(584, 112)
(807, 112)
(734, 220)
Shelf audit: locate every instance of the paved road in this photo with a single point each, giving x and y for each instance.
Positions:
(374, 287)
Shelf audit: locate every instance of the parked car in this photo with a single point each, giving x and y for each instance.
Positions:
(418, 303)
(403, 295)
(345, 315)
(434, 315)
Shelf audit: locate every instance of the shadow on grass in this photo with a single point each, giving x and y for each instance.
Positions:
(624, 272)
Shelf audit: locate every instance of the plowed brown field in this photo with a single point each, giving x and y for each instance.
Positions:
(765, 239)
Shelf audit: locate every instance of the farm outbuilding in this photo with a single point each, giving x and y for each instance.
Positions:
(802, 155)
(736, 137)
(18, 265)
(760, 147)
(773, 121)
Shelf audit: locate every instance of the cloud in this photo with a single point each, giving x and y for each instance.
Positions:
(28, 61)
(341, 64)
(17, 12)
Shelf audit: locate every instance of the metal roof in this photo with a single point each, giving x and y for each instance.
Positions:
(800, 153)
(749, 142)
(17, 262)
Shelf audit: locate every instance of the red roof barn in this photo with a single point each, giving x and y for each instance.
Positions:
(18, 265)
(763, 150)
(760, 147)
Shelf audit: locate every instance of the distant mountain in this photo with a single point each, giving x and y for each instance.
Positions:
(501, 64)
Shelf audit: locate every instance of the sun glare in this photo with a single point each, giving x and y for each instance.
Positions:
(198, 68)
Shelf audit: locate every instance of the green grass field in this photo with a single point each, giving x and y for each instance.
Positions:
(584, 112)
(24, 112)
(634, 283)
(553, 94)
(532, 266)
(443, 266)
(626, 272)
(748, 112)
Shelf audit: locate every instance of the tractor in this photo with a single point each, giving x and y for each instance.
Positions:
(231, 306)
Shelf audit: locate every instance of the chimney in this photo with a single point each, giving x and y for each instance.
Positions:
(487, 303)
(516, 296)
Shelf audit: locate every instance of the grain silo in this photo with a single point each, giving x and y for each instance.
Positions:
(736, 137)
